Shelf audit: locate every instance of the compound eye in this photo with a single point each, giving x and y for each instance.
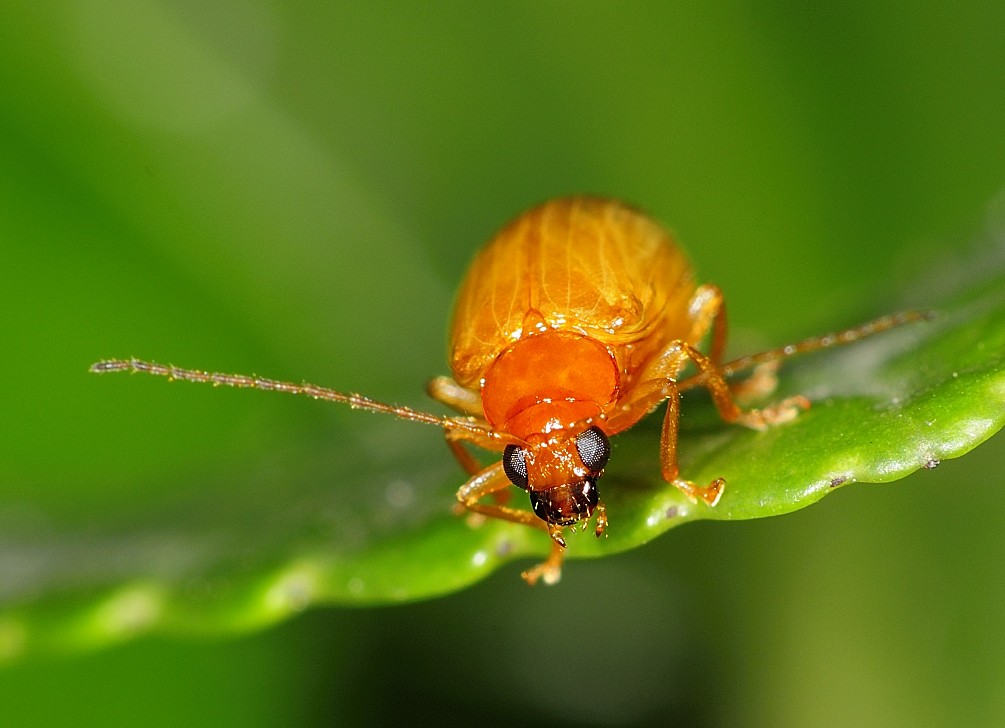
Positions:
(515, 466)
(594, 449)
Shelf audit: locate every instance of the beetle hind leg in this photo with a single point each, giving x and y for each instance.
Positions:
(761, 382)
(776, 414)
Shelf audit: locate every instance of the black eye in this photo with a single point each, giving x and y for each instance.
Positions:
(515, 466)
(594, 449)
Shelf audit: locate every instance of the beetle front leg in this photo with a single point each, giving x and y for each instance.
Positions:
(668, 456)
(550, 570)
(455, 441)
(492, 481)
(660, 384)
(458, 430)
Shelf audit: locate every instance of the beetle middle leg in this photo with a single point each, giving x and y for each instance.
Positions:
(707, 311)
(453, 395)
(455, 441)
(461, 399)
(660, 384)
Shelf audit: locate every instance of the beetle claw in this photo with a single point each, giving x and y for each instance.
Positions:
(710, 494)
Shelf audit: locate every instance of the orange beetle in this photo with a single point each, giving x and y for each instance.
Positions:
(572, 324)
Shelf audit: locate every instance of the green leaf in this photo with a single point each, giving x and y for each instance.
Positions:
(355, 523)
(150, 209)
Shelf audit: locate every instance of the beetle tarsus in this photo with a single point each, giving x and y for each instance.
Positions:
(550, 570)
(761, 383)
(779, 413)
(710, 494)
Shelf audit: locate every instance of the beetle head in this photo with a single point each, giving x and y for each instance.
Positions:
(560, 471)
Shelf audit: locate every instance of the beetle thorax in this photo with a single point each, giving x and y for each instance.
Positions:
(547, 382)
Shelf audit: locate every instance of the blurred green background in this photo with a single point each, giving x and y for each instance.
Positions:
(295, 189)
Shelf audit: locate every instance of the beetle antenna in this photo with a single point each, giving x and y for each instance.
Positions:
(243, 381)
(839, 338)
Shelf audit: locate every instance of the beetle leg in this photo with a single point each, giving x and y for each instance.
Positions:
(461, 399)
(707, 310)
(457, 430)
(661, 385)
(462, 454)
(488, 482)
(549, 570)
(446, 391)
(763, 380)
(455, 441)
(492, 481)
(713, 380)
(668, 456)
(472, 467)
